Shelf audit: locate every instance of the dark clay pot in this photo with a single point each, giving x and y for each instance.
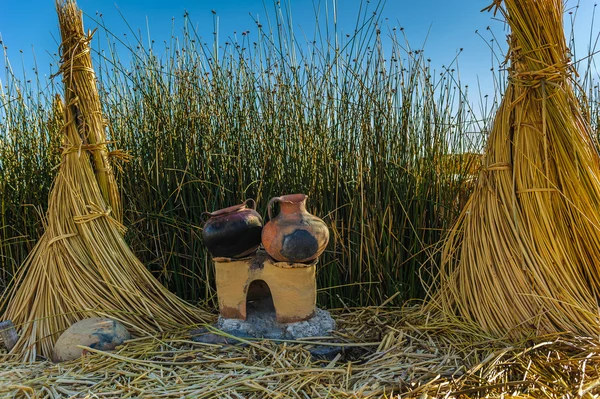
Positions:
(233, 232)
(294, 235)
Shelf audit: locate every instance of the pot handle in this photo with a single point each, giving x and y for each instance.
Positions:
(250, 201)
(205, 216)
(270, 206)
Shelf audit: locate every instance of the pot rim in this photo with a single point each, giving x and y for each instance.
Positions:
(293, 198)
(233, 208)
(229, 209)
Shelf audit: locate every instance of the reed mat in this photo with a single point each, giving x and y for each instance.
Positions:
(386, 354)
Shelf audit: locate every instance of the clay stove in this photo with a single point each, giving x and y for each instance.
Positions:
(292, 287)
(260, 296)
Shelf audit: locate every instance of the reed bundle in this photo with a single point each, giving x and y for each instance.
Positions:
(82, 267)
(522, 259)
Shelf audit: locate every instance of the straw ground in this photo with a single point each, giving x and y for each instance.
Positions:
(387, 354)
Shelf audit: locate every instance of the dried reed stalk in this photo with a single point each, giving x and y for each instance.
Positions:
(522, 258)
(81, 266)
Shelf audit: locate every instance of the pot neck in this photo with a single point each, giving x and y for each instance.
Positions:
(288, 207)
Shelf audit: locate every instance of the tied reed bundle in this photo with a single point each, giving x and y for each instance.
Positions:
(523, 256)
(82, 267)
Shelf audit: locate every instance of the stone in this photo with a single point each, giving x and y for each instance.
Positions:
(98, 333)
(325, 352)
(207, 337)
(262, 322)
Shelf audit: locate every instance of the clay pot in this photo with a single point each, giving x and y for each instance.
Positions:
(232, 232)
(294, 235)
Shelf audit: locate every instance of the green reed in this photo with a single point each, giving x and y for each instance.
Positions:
(359, 123)
(29, 150)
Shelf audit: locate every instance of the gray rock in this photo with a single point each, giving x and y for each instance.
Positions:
(98, 333)
(262, 323)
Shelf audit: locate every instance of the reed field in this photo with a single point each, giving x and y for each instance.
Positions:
(388, 150)
(360, 123)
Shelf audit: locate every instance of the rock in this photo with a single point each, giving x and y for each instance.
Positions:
(324, 352)
(205, 336)
(262, 323)
(98, 332)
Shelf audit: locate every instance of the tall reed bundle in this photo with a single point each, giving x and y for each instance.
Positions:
(81, 266)
(523, 256)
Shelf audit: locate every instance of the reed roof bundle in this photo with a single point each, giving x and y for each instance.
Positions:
(82, 267)
(522, 259)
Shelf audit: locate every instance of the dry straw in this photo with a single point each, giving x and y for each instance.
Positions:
(386, 355)
(522, 258)
(82, 266)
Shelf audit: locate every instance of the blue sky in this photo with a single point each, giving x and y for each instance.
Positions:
(444, 26)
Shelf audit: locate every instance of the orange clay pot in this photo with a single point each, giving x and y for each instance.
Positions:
(294, 235)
